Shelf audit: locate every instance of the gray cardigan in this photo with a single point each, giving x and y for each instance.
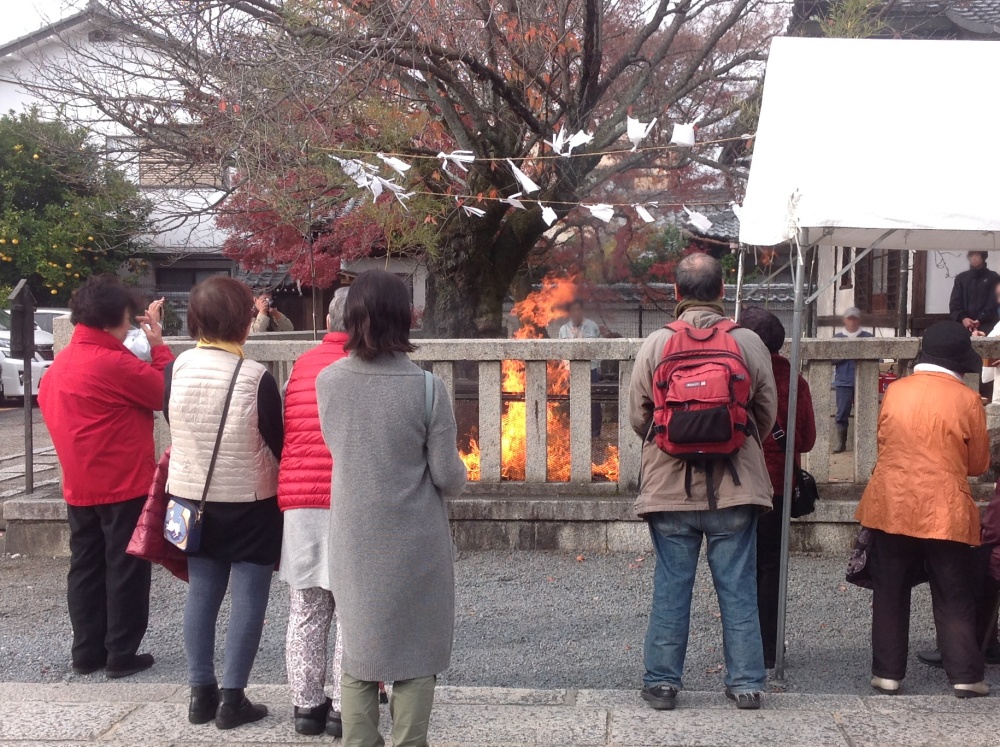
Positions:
(391, 555)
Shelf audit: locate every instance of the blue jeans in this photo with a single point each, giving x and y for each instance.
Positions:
(732, 557)
(845, 403)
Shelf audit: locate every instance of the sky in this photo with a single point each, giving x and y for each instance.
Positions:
(24, 16)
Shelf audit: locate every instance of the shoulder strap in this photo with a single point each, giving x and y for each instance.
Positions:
(218, 438)
(428, 398)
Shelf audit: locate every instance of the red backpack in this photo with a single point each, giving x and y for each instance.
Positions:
(701, 394)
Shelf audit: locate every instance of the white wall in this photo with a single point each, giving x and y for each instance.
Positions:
(408, 266)
(177, 231)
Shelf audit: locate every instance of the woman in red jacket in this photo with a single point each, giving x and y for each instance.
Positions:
(98, 400)
(770, 329)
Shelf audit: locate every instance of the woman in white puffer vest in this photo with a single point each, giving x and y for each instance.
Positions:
(242, 525)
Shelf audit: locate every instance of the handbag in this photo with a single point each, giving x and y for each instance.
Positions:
(858, 572)
(183, 521)
(806, 492)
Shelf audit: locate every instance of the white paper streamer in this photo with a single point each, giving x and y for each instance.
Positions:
(643, 213)
(698, 220)
(737, 210)
(683, 134)
(458, 157)
(400, 167)
(527, 186)
(473, 212)
(548, 215)
(637, 131)
(558, 142)
(580, 138)
(602, 211)
(514, 202)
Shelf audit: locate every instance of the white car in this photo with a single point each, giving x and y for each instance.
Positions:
(44, 317)
(12, 369)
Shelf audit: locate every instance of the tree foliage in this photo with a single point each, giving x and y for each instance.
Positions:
(246, 83)
(65, 213)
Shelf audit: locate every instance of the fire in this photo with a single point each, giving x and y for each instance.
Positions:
(535, 313)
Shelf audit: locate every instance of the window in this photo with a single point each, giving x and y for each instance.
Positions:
(182, 279)
(846, 257)
(876, 288)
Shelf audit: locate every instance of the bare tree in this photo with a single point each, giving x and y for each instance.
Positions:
(245, 84)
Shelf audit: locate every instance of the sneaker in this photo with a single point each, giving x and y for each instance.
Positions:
(886, 686)
(975, 690)
(660, 697)
(745, 701)
(128, 667)
(312, 721)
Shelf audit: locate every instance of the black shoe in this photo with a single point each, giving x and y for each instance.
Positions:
(235, 710)
(745, 701)
(312, 721)
(992, 656)
(660, 697)
(127, 667)
(334, 725)
(383, 696)
(931, 657)
(85, 669)
(204, 703)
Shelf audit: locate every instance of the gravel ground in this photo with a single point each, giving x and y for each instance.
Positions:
(538, 620)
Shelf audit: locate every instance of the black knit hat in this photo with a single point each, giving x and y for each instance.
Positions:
(767, 326)
(948, 344)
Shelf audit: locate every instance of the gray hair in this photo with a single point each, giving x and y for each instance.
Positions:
(336, 310)
(699, 277)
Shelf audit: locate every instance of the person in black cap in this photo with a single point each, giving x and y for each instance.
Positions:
(972, 302)
(931, 436)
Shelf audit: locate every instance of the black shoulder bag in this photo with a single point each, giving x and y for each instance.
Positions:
(182, 523)
(806, 492)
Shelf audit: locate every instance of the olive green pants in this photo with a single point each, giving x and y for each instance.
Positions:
(410, 706)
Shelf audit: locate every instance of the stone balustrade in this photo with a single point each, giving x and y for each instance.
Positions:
(485, 357)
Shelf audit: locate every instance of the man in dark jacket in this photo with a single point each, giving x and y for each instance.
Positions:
(973, 299)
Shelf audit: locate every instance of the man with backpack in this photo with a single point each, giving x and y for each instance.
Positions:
(702, 395)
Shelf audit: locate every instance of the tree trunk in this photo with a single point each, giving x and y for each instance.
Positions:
(471, 273)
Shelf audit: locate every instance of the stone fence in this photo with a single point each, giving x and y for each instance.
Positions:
(478, 364)
(545, 480)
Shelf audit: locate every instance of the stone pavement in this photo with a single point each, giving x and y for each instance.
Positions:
(127, 715)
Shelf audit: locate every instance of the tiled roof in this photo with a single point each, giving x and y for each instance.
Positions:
(269, 278)
(976, 16)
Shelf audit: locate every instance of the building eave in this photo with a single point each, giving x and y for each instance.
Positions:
(92, 11)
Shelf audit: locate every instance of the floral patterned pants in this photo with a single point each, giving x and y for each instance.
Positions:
(310, 619)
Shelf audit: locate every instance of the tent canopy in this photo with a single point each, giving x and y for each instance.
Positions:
(860, 136)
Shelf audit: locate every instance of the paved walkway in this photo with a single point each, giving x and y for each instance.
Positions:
(130, 715)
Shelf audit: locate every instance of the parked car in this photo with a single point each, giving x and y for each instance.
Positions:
(12, 369)
(44, 317)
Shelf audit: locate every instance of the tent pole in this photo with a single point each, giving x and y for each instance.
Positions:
(786, 508)
(739, 284)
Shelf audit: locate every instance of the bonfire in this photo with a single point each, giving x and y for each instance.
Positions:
(535, 313)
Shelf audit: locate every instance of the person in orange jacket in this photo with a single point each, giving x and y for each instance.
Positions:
(931, 437)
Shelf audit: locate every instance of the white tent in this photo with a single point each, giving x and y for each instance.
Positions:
(861, 136)
(866, 143)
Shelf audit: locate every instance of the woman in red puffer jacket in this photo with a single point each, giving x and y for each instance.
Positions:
(770, 329)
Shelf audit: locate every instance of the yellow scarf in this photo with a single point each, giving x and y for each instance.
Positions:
(229, 347)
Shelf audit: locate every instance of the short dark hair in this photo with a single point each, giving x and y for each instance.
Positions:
(101, 302)
(984, 255)
(576, 302)
(220, 309)
(699, 277)
(378, 316)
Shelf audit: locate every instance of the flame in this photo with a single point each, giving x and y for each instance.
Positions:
(539, 309)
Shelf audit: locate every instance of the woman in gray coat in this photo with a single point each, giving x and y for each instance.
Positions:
(391, 430)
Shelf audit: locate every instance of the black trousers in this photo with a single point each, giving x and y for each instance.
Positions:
(107, 589)
(768, 571)
(895, 561)
(987, 591)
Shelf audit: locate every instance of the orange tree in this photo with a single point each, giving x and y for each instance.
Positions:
(65, 213)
